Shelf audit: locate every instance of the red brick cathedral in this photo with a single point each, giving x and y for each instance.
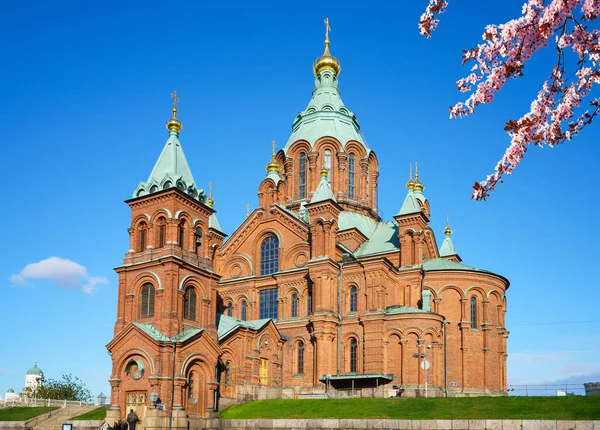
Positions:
(312, 294)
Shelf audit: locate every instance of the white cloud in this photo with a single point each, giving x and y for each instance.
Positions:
(61, 271)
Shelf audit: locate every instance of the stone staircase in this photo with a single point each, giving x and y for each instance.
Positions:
(56, 420)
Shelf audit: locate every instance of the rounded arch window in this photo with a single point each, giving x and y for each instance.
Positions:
(302, 161)
(167, 185)
(189, 304)
(243, 311)
(327, 163)
(300, 358)
(351, 175)
(269, 255)
(161, 232)
(353, 295)
(353, 355)
(181, 233)
(153, 188)
(473, 312)
(294, 309)
(142, 232)
(147, 301)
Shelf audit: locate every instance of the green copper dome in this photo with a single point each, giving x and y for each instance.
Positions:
(10, 390)
(35, 370)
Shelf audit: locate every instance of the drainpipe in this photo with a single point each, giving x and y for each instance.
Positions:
(172, 385)
(444, 324)
(345, 258)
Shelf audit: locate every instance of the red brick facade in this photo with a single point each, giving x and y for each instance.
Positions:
(357, 312)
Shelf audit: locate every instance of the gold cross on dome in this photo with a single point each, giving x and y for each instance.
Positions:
(273, 145)
(210, 188)
(327, 28)
(175, 99)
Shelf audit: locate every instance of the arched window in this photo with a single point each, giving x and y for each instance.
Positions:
(300, 357)
(269, 255)
(353, 355)
(353, 299)
(197, 239)
(143, 228)
(243, 311)
(191, 386)
(294, 305)
(473, 312)
(162, 233)
(309, 303)
(327, 164)
(147, 301)
(189, 304)
(229, 309)
(167, 185)
(302, 176)
(181, 234)
(351, 176)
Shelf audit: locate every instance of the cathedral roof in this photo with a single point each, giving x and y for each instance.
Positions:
(10, 390)
(326, 114)
(35, 370)
(323, 191)
(227, 324)
(157, 335)
(171, 168)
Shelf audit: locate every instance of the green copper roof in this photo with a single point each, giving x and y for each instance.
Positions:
(227, 324)
(383, 239)
(35, 370)
(443, 264)
(171, 170)
(410, 205)
(213, 222)
(447, 247)
(366, 225)
(10, 390)
(393, 310)
(323, 191)
(155, 333)
(326, 115)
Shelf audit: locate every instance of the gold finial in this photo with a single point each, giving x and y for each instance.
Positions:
(418, 186)
(327, 61)
(211, 201)
(174, 124)
(448, 230)
(324, 173)
(273, 165)
(410, 184)
(247, 210)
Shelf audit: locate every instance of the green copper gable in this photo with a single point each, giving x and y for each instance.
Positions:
(326, 115)
(171, 170)
(410, 205)
(323, 192)
(447, 248)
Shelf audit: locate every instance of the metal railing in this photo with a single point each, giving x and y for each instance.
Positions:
(33, 402)
(546, 390)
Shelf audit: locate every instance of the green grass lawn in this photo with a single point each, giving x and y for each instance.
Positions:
(96, 414)
(24, 414)
(548, 408)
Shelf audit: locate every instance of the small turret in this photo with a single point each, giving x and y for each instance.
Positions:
(447, 249)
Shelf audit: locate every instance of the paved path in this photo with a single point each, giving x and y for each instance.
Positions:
(62, 416)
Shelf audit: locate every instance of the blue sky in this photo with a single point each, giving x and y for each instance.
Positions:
(86, 96)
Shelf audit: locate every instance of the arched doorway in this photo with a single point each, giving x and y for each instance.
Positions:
(196, 393)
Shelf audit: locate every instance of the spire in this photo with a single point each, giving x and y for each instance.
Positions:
(171, 168)
(417, 185)
(273, 167)
(210, 200)
(410, 184)
(447, 248)
(327, 61)
(323, 190)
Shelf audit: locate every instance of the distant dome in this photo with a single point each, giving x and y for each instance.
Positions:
(10, 390)
(35, 370)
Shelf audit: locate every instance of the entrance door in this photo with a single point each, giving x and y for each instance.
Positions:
(136, 400)
(264, 371)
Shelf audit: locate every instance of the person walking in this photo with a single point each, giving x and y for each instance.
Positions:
(132, 419)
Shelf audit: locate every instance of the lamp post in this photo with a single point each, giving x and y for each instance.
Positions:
(423, 364)
(154, 399)
(101, 399)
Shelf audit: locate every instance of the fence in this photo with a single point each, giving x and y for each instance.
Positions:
(23, 401)
(546, 390)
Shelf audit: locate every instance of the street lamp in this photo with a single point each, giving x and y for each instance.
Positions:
(155, 400)
(101, 399)
(424, 364)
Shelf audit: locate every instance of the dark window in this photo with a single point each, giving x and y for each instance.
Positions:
(309, 303)
(300, 357)
(191, 386)
(351, 177)
(189, 304)
(197, 239)
(294, 305)
(147, 301)
(353, 355)
(142, 242)
(302, 176)
(162, 233)
(243, 312)
(269, 255)
(229, 309)
(353, 299)
(268, 303)
(473, 312)
(181, 238)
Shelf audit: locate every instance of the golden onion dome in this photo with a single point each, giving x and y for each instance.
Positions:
(273, 165)
(327, 61)
(174, 124)
(324, 173)
(448, 230)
